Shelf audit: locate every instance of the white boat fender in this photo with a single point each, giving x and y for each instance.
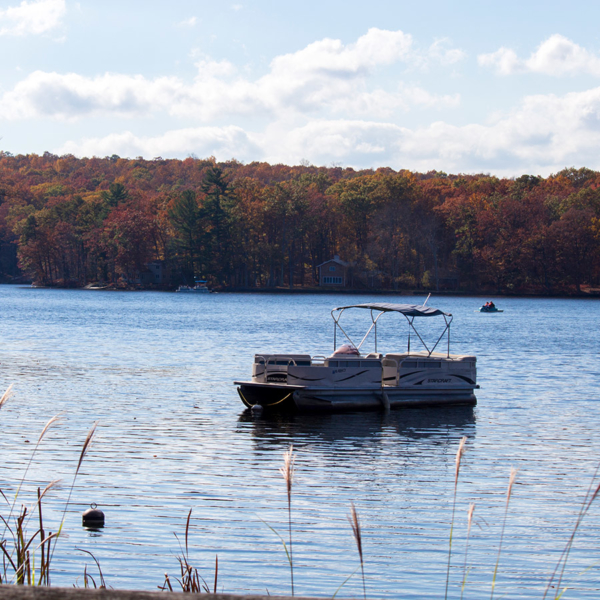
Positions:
(256, 409)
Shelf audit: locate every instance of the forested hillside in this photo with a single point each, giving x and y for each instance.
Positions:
(78, 221)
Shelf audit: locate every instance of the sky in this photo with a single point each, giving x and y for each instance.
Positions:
(482, 86)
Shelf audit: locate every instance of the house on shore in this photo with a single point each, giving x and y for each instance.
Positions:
(155, 273)
(333, 273)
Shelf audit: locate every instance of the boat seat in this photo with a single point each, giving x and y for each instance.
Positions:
(377, 355)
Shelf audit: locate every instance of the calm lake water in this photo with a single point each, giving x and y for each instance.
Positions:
(155, 370)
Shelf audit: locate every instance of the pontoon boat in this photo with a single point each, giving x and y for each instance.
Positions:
(350, 379)
(200, 287)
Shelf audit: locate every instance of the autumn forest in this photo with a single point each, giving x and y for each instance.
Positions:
(72, 222)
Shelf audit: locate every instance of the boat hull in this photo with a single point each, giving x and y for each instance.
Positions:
(311, 399)
(269, 396)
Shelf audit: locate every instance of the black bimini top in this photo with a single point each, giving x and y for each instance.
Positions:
(410, 310)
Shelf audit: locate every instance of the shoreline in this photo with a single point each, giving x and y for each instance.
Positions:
(591, 293)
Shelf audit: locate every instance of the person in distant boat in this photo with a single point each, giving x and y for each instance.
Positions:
(492, 305)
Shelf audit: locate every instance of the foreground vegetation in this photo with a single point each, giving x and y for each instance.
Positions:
(80, 221)
(27, 548)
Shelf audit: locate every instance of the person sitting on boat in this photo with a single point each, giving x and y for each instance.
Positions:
(491, 304)
(346, 349)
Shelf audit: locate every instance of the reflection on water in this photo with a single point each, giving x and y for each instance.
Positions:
(156, 370)
(442, 425)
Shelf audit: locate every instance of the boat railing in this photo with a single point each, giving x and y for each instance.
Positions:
(272, 360)
(319, 359)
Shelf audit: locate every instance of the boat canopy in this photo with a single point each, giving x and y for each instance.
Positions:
(409, 310)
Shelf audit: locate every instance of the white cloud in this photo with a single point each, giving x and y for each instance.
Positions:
(326, 77)
(191, 22)
(441, 52)
(556, 56)
(322, 103)
(382, 104)
(34, 17)
(376, 48)
(71, 96)
(349, 142)
(542, 135)
(224, 142)
(505, 61)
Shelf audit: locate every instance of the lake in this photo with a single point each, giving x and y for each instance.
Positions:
(155, 370)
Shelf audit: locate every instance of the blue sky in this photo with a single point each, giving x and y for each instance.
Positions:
(506, 88)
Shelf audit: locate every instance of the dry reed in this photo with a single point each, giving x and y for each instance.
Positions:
(35, 449)
(21, 558)
(20, 555)
(87, 578)
(53, 420)
(190, 579)
(86, 444)
(590, 497)
(457, 460)
(469, 523)
(511, 481)
(7, 394)
(356, 531)
(288, 475)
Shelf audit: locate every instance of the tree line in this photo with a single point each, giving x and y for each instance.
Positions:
(75, 221)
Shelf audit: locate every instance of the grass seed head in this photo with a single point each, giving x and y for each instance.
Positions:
(356, 531)
(470, 516)
(7, 394)
(459, 453)
(288, 469)
(53, 420)
(511, 481)
(88, 441)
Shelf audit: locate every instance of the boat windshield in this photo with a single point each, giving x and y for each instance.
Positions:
(410, 311)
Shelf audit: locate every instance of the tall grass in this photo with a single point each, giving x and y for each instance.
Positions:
(590, 497)
(4, 398)
(465, 572)
(27, 548)
(189, 580)
(457, 460)
(288, 476)
(357, 532)
(511, 481)
(21, 556)
(88, 580)
(18, 544)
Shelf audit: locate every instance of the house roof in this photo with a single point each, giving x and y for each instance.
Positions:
(335, 259)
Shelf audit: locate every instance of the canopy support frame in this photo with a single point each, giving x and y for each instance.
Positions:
(446, 329)
(448, 318)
